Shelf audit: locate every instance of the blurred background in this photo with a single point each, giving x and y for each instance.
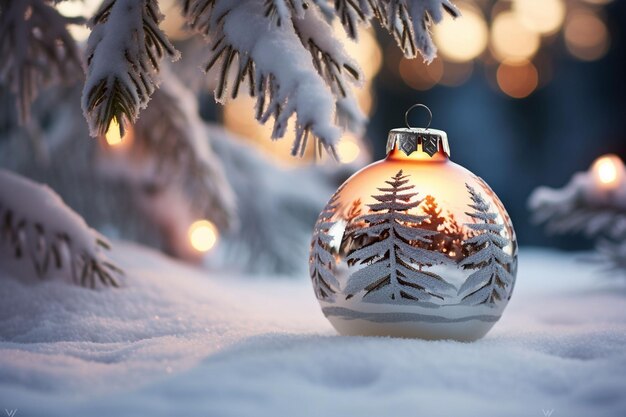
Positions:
(529, 92)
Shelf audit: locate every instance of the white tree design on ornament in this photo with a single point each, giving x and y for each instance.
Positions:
(322, 261)
(393, 266)
(491, 280)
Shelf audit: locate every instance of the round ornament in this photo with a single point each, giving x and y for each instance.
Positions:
(414, 246)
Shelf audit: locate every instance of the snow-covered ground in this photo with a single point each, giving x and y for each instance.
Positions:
(182, 342)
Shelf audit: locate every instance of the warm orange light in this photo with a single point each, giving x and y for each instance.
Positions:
(586, 35)
(419, 75)
(517, 80)
(347, 150)
(112, 135)
(511, 40)
(608, 171)
(461, 40)
(203, 235)
(541, 16)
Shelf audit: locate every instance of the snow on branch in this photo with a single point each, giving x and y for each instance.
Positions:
(123, 53)
(583, 207)
(37, 227)
(293, 63)
(580, 207)
(171, 132)
(278, 67)
(36, 49)
(409, 22)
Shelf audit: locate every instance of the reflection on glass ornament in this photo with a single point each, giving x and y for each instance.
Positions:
(414, 246)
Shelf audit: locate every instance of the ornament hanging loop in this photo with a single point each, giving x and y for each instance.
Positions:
(406, 115)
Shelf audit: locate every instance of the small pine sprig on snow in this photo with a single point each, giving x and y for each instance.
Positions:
(123, 54)
(36, 50)
(37, 227)
(583, 207)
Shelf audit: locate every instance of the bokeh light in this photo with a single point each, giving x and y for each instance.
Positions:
(78, 8)
(511, 40)
(203, 235)
(586, 35)
(455, 74)
(517, 79)
(608, 171)
(541, 16)
(347, 150)
(462, 39)
(419, 75)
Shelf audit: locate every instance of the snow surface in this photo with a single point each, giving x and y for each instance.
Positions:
(179, 341)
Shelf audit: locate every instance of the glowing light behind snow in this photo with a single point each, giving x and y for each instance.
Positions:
(203, 235)
(78, 8)
(608, 171)
(112, 135)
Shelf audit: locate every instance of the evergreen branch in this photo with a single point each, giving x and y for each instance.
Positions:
(60, 240)
(581, 207)
(36, 50)
(171, 132)
(277, 67)
(123, 61)
(409, 21)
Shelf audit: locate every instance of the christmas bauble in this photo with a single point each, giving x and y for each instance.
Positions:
(414, 246)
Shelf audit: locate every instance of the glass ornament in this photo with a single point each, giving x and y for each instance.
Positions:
(414, 246)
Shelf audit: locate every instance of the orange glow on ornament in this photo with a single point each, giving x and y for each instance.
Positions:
(203, 235)
(608, 171)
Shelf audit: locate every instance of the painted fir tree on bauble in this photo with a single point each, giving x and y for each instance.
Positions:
(407, 257)
(491, 280)
(393, 264)
(321, 260)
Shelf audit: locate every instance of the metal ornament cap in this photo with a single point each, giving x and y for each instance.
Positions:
(409, 139)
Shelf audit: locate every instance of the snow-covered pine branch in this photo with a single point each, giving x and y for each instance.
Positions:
(37, 228)
(123, 54)
(275, 217)
(278, 67)
(174, 140)
(581, 207)
(409, 22)
(36, 50)
(292, 62)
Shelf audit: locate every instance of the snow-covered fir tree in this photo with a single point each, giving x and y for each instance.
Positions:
(321, 260)
(491, 280)
(393, 264)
